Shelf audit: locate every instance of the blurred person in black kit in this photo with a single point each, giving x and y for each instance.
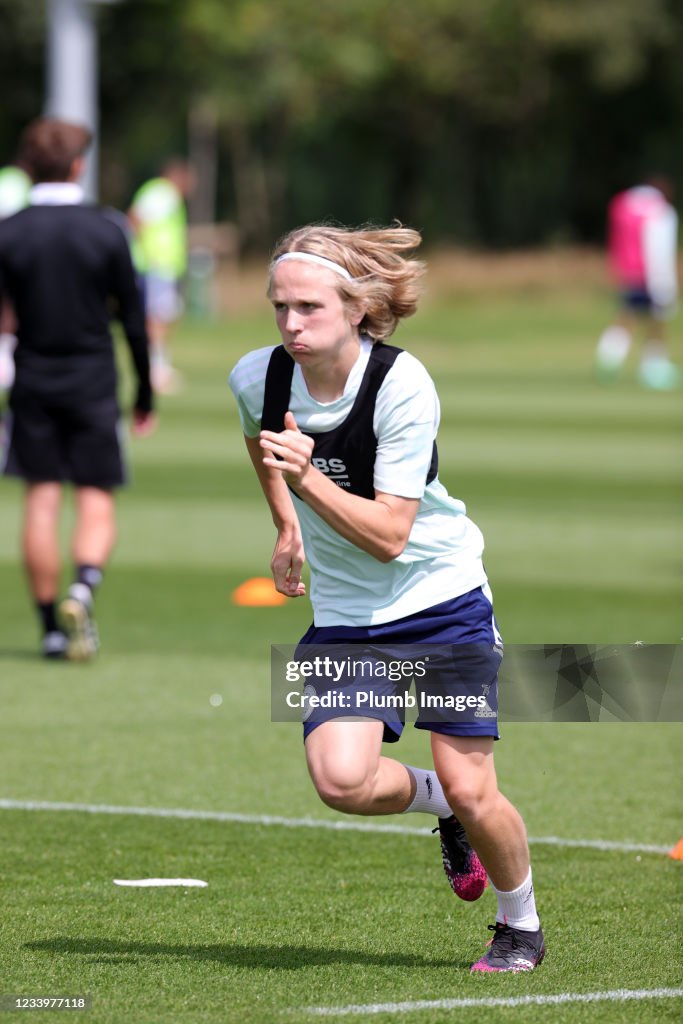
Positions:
(65, 266)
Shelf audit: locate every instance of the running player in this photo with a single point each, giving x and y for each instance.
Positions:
(642, 250)
(341, 430)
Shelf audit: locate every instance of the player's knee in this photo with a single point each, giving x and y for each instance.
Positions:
(42, 503)
(343, 792)
(471, 798)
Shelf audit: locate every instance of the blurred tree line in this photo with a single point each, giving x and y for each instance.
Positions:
(493, 123)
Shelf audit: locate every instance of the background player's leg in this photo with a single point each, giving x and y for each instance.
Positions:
(656, 370)
(163, 307)
(40, 548)
(614, 345)
(40, 543)
(91, 545)
(95, 528)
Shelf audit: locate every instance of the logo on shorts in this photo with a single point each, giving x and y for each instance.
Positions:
(487, 711)
(308, 692)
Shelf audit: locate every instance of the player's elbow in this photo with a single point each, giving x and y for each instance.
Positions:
(389, 549)
(395, 527)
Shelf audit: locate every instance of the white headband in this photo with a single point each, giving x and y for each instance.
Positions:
(309, 257)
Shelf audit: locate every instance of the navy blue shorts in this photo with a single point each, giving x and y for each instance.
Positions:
(451, 653)
(639, 300)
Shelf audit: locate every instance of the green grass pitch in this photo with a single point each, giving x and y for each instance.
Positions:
(577, 489)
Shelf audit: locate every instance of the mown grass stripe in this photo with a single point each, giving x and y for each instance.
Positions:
(341, 825)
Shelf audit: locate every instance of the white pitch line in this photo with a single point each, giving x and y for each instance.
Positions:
(617, 995)
(341, 825)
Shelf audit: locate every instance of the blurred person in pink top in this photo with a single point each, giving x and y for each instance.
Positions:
(642, 250)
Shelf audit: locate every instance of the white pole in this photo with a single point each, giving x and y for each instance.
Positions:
(72, 74)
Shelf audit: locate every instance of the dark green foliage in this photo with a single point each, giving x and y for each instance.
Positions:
(501, 122)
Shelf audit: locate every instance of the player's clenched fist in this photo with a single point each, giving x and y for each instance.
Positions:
(289, 451)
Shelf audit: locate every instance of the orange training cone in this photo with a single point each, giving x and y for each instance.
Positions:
(677, 852)
(258, 592)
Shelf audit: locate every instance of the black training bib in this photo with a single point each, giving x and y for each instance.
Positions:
(346, 454)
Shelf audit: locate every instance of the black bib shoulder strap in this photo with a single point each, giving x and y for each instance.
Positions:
(279, 374)
(385, 354)
(382, 358)
(277, 390)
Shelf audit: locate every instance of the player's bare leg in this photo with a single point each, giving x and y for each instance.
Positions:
(40, 549)
(495, 828)
(165, 378)
(497, 832)
(345, 763)
(92, 542)
(656, 371)
(614, 346)
(40, 542)
(351, 775)
(94, 533)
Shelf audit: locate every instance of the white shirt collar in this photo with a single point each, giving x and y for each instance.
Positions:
(56, 193)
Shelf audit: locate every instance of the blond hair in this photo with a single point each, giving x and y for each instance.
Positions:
(385, 281)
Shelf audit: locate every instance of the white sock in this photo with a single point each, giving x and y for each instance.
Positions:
(429, 798)
(613, 347)
(518, 908)
(81, 593)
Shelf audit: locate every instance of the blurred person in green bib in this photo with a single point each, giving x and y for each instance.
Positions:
(159, 244)
(15, 186)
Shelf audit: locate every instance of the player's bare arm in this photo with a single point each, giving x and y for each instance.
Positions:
(288, 556)
(380, 527)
